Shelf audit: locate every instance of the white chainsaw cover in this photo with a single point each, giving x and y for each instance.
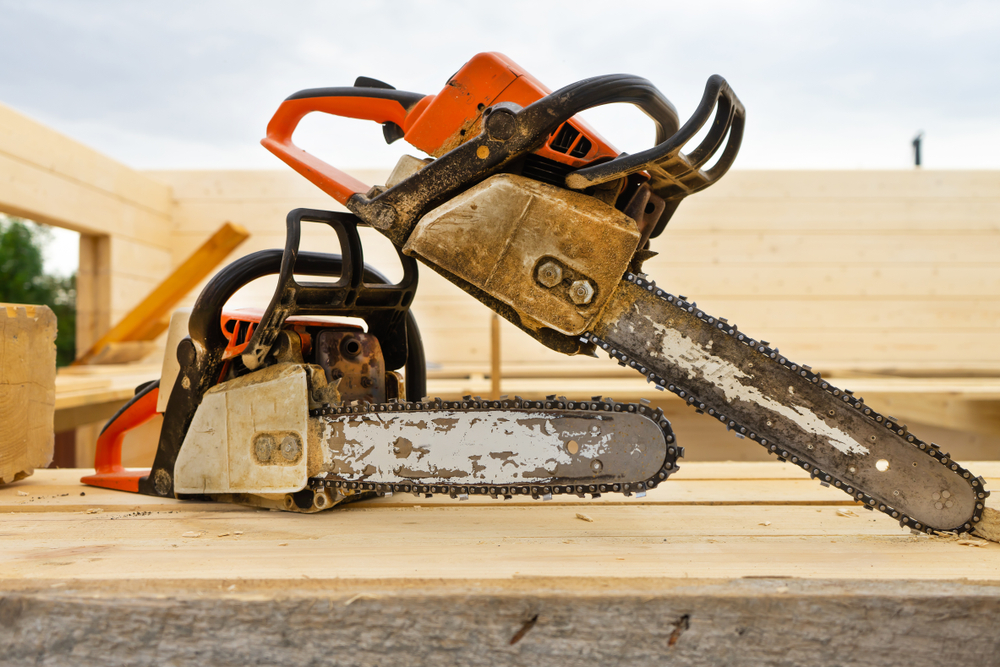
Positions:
(249, 435)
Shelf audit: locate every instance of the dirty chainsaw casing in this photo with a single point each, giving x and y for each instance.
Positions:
(553, 256)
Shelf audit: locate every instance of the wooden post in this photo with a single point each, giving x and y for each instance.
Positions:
(93, 290)
(27, 389)
(495, 357)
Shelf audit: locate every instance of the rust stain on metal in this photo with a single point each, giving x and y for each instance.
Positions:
(402, 447)
(505, 457)
(444, 424)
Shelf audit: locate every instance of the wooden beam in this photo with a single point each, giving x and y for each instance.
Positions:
(52, 179)
(27, 389)
(495, 357)
(144, 322)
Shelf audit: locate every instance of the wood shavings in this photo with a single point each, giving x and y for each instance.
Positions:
(223, 534)
(360, 596)
(94, 510)
(764, 523)
(192, 533)
(972, 543)
(22, 493)
(847, 513)
(584, 517)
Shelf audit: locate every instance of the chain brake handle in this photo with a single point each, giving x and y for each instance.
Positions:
(673, 174)
(375, 101)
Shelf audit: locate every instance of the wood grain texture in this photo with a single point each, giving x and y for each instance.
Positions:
(728, 564)
(753, 623)
(53, 179)
(731, 520)
(27, 389)
(880, 271)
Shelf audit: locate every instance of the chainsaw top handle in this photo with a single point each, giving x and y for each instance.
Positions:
(368, 99)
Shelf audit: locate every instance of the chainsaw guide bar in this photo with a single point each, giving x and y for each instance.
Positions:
(788, 409)
(499, 448)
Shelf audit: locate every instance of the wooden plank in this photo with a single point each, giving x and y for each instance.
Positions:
(677, 542)
(831, 279)
(30, 142)
(422, 581)
(860, 216)
(872, 350)
(27, 389)
(802, 248)
(699, 536)
(87, 394)
(949, 410)
(915, 184)
(145, 318)
(708, 484)
(757, 622)
(73, 417)
(139, 260)
(795, 312)
(36, 193)
(927, 185)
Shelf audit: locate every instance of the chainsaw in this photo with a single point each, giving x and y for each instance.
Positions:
(526, 208)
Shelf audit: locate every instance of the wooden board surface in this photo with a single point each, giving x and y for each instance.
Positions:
(712, 520)
(737, 564)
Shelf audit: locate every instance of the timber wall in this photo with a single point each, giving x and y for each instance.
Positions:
(867, 270)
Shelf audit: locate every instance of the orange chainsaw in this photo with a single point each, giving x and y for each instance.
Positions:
(530, 211)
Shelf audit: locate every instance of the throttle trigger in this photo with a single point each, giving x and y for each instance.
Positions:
(391, 132)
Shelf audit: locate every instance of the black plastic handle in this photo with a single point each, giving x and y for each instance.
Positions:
(674, 175)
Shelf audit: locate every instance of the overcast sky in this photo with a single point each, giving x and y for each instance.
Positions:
(839, 84)
(192, 84)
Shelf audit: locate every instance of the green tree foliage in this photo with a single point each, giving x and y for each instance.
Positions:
(23, 280)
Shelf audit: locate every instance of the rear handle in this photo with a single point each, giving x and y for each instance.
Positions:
(382, 105)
